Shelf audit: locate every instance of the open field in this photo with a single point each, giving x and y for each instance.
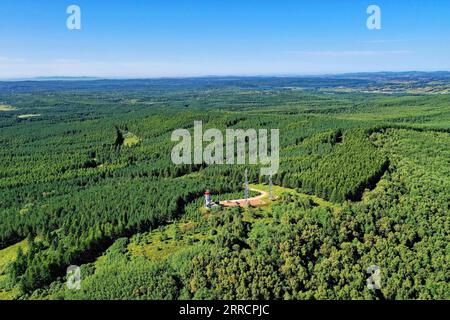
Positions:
(4, 107)
(27, 116)
(7, 256)
(130, 139)
(277, 191)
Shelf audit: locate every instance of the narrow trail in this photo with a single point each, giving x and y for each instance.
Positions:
(254, 201)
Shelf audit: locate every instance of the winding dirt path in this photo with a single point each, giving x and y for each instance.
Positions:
(254, 201)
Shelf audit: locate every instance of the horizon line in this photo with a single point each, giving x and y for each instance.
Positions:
(92, 78)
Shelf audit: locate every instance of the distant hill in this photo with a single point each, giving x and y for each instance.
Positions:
(413, 82)
(437, 75)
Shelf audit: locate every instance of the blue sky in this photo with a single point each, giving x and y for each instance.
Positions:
(152, 38)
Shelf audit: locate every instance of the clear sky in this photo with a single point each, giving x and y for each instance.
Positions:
(152, 38)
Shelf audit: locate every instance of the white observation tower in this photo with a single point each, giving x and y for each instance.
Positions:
(208, 202)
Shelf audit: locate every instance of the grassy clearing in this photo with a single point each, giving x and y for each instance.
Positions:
(163, 242)
(130, 139)
(7, 256)
(26, 209)
(28, 116)
(9, 294)
(4, 107)
(396, 112)
(277, 191)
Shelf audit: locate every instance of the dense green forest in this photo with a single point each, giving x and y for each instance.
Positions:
(86, 179)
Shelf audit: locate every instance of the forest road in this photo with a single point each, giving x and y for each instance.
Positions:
(254, 201)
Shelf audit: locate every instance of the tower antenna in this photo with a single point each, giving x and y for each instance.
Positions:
(246, 187)
(208, 202)
(270, 187)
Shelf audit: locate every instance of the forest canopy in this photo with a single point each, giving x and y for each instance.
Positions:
(364, 180)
